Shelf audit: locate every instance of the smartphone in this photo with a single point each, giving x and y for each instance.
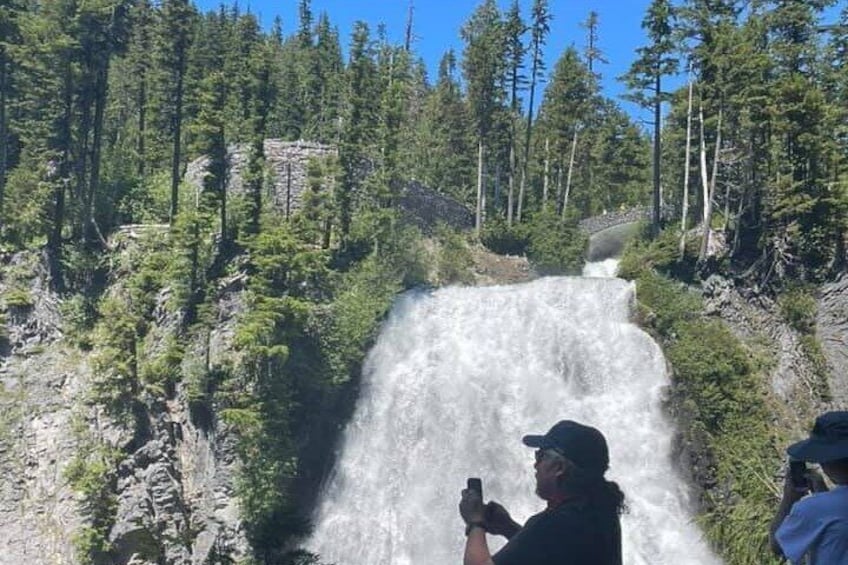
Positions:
(798, 475)
(476, 484)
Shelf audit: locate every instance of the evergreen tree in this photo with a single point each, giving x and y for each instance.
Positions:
(804, 211)
(173, 40)
(592, 52)
(645, 81)
(567, 103)
(483, 66)
(138, 52)
(443, 156)
(329, 67)
(211, 141)
(539, 29)
(514, 28)
(359, 123)
(10, 10)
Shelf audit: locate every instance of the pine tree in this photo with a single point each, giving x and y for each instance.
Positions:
(539, 30)
(803, 212)
(359, 123)
(173, 40)
(514, 28)
(443, 154)
(567, 103)
(9, 11)
(139, 48)
(210, 140)
(483, 66)
(329, 67)
(645, 81)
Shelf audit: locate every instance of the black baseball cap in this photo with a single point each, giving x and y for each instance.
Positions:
(828, 440)
(584, 446)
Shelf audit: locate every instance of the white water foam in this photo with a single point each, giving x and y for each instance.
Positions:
(457, 377)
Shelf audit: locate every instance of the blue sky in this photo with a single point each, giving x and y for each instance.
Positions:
(437, 24)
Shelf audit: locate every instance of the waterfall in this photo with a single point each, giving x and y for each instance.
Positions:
(457, 377)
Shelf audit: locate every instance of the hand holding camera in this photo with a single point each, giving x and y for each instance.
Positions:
(471, 505)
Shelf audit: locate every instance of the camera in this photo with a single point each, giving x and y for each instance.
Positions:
(798, 475)
(476, 485)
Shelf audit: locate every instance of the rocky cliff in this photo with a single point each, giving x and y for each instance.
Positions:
(173, 485)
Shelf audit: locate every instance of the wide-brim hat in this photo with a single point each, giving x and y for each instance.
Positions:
(828, 440)
(584, 446)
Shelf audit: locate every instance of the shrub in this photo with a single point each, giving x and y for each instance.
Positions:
(18, 298)
(454, 258)
(91, 473)
(556, 246)
(798, 308)
(501, 238)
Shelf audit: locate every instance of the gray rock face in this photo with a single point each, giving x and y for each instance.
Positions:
(287, 162)
(38, 510)
(832, 331)
(425, 208)
(754, 318)
(175, 491)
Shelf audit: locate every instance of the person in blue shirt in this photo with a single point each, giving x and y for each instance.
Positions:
(814, 526)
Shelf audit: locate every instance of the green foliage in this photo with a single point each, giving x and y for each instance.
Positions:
(721, 391)
(350, 323)
(501, 238)
(661, 254)
(814, 353)
(78, 314)
(160, 373)
(678, 303)
(24, 216)
(148, 201)
(798, 308)
(454, 258)
(115, 363)
(192, 241)
(4, 332)
(92, 474)
(17, 298)
(556, 246)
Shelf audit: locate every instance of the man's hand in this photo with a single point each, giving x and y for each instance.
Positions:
(471, 507)
(499, 522)
(816, 481)
(791, 493)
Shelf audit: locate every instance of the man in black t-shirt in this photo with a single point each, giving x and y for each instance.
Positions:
(580, 525)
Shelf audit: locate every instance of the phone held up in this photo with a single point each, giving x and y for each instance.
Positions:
(798, 476)
(476, 485)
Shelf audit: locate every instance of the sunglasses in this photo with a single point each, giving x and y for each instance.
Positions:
(542, 453)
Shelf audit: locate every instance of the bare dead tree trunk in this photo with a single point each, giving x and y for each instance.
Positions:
(546, 180)
(708, 213)
(478, 218)
(570, 171)
(685, 208)
(511, 190)
(655, 215)
(521, 194)
(407, 44)
(705, 188)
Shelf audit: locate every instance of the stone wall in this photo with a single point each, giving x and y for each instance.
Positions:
(604, 221)
(288, 161)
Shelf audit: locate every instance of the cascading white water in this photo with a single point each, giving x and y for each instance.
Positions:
(457, 377)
